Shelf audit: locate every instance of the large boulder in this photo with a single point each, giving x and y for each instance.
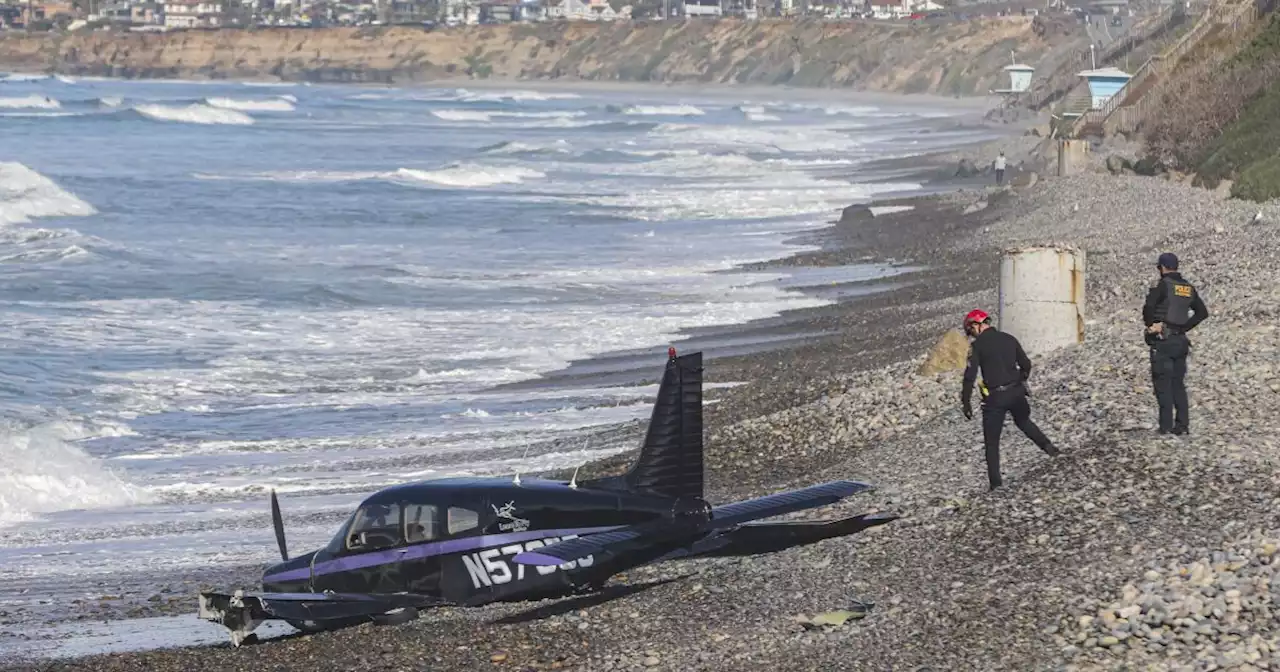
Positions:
(1117, 165)
(950, 353)
(966, 168)
(1149, 166)
(858, 212)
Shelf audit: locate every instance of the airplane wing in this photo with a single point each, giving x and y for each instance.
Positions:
(729, 515)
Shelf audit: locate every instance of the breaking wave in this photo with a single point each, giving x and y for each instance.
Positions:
(194, 114)
(517, 147)
(30, 102)
(514, 96)
(799, 139)
(44, 472)
(461, 115)
(20, 77)
(25, 194)
(661, 110)
(487, 115)
(280, 104)
(457, 175)
(757, 113)
(472, 175)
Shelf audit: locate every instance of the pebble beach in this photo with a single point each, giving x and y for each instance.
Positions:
(1130, 551)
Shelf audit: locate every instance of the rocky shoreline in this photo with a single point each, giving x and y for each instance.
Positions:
(792, 345)
(1131, 551)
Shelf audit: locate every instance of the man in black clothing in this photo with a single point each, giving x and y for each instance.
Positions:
(1005, 369)
(1166, 314)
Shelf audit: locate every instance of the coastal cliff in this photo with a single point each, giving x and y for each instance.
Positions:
(951, 58)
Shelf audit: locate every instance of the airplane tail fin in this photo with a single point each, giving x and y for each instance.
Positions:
(670, 461)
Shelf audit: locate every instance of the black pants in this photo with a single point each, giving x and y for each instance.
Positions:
(1012, 401)
(999, 175)
(1168, 376)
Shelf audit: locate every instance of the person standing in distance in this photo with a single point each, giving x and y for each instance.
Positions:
(1173, 308)
(1000, 164)
(1005, 368)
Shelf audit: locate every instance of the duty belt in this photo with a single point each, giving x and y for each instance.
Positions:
(1002, 388)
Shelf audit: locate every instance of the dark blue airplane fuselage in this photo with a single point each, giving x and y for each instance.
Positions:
(455, 538)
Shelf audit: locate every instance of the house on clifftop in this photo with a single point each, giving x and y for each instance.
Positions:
(194, 13)
(590, 10)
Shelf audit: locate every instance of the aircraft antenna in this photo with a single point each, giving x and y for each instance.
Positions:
(516, 480)
(573, 482)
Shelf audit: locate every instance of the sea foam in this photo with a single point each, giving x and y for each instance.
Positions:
(25, 194)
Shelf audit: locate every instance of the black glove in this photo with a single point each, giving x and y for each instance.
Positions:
(968, 411)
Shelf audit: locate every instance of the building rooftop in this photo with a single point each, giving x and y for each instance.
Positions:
(1105, 72)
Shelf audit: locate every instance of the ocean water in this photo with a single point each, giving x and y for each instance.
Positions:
(211, 290)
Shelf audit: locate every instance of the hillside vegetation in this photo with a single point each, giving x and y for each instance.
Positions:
(949, 58)
(1219, 118)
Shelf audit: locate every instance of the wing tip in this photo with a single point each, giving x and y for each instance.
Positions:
(853, 487)
(535, 558)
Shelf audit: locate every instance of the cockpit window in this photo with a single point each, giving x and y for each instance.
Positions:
(376, 526)
(421, 523)
(461, 520)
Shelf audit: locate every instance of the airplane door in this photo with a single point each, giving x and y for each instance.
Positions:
(419, 567)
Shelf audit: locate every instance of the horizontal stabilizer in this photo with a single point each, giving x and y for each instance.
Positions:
(662, 531)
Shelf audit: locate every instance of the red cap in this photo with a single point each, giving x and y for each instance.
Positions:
(975, 316)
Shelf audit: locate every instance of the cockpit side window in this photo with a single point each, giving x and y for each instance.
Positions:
(421, 523)
(375, 526)
(461, 520)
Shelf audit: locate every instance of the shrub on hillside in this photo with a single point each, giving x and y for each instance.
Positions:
(1259, 182)
(1253, 137)
(1209, 96)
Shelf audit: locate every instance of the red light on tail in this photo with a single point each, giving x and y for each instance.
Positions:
(671, 352)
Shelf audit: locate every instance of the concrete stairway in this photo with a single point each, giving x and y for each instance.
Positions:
(1135, 101)
(1062, 78)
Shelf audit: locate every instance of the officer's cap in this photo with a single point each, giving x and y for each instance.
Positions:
(1169, 260)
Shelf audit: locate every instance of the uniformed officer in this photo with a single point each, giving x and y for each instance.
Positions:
(1173, 308)
(1005, 368)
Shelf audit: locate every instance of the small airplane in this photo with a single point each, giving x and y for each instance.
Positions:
(472, 541)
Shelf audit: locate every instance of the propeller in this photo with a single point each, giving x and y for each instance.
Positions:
(277, 523)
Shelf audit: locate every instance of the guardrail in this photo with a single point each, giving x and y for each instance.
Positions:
(1236, 17)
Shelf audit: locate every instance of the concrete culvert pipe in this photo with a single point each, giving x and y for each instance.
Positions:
(1042, 297)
